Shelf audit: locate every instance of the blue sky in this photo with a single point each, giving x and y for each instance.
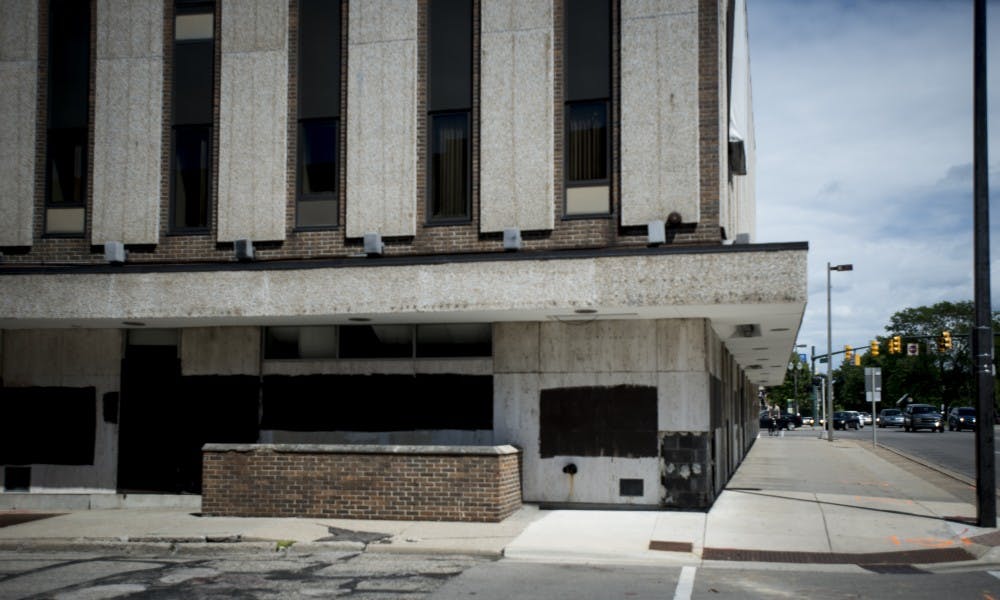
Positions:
(863, 121)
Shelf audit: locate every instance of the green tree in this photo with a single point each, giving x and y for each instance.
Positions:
(933, 377)
(786, 392)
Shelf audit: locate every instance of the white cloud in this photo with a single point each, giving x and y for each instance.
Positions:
(863, 113)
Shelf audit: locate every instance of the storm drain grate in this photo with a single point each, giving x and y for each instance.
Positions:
(905, 557)
(895, 570)
(671, 546)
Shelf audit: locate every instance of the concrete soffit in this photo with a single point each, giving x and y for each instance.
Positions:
(754, 299)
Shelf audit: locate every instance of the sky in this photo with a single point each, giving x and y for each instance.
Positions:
(863, 123)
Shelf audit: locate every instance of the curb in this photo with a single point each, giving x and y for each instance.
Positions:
(933, 466)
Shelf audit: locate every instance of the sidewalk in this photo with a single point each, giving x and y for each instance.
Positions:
(795, 499)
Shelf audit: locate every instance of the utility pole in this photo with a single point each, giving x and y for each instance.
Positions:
(982, 333)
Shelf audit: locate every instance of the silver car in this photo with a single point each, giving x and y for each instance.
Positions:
(890, 417)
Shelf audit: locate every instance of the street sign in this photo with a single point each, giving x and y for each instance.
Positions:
(912, 349)
(873, 384)
(803, 358)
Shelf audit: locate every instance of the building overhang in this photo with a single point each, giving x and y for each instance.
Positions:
(754, 295)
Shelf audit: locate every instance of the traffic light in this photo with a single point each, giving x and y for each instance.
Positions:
(848, 353)
(895, 345)
(946, 340)
(874, 347)
(857, 360)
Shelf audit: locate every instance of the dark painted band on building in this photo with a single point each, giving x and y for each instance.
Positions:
(398, 261)
(377, 402)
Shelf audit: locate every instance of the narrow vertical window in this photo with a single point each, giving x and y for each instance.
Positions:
(319, 113)
(587, 73)
(449, 110)
(68, 108)
(192, 116)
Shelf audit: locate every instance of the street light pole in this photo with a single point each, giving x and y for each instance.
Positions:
(829, 350)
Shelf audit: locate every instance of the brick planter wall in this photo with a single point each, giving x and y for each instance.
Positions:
(410, 483)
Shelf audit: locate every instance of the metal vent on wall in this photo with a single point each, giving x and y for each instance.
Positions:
(630, 487)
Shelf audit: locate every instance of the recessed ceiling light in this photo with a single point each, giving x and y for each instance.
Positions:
(759, 349)
(780, 329)
(585, 311)
(359, 319)
(133, 323)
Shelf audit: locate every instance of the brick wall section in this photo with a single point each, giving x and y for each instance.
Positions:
(408, 483)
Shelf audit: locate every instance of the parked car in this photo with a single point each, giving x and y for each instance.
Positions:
(846, 419)
(962, 417)
(922, 416)
(808, 421)
(890, 417)
(784, 421)
(861, 420)
(866, 418)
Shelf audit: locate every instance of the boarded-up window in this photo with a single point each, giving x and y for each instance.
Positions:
(47, 425)
(617, 421)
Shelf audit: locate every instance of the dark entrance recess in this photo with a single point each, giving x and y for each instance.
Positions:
(377, 402)
(165, 419)
(615, 421)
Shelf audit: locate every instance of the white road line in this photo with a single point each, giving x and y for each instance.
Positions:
(685, 585)
(994, 573)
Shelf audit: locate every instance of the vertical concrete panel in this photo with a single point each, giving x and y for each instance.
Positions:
(599, 346)
(128, 111)
(684, 403)
(659, 90)
(220, 351)
(681, 345)
(253, 121)
(382, 118)
(18, 77)
(515, 347)
(516, 116)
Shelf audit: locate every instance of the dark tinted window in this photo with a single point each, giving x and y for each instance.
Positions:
(588, 49)
(376, 341)
(66, 166)
(191, 176)
(319, 108)
(319, 58)
(450, 52)
(587, 141)
(967, 412)
(69, 63)
(193, 82)
(318, 157)
(449, 166)
(193, 115)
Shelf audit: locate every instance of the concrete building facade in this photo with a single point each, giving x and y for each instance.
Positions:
(389, 222)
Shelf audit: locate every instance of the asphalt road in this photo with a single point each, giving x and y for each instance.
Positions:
(372, 576)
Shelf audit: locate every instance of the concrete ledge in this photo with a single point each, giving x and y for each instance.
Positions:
(96, 501)
(364, 449)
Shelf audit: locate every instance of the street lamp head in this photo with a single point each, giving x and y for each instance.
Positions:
(842, 268)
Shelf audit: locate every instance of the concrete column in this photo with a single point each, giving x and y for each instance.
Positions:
(659, 94)
(18, 80)
(253, 121)
(128, 112)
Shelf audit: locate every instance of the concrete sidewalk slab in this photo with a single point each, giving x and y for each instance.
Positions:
(795, 499)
